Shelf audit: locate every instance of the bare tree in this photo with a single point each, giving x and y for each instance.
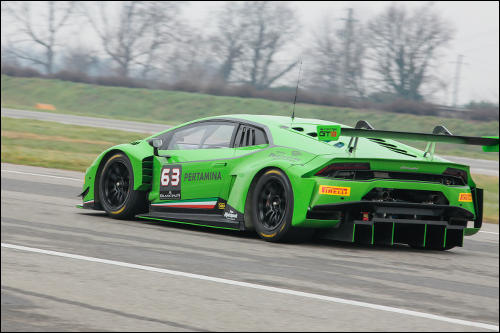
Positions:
(351, 54)
(338, 55)
(41, 32)
(228, 44)
(404, 45)
(80, 59)
(272, 26)
(120, 41)
(190, 62)
(142, 28)
(325, 70)
(249, 37)
(165, 28)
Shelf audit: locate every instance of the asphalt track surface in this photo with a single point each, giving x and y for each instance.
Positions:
(485, 167)
(65, 268)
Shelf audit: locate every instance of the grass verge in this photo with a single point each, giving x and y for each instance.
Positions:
(174, 107)
(490, 205)
(54, 145)
(71, 147)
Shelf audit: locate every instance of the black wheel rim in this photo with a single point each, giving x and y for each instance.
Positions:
(272, 204)
(116, 185)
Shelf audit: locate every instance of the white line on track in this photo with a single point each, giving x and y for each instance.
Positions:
(489, 232)
(80, 180)
(42, 175)
(257, 286)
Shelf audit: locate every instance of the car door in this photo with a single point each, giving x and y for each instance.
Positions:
(194, 164)
(248, 139)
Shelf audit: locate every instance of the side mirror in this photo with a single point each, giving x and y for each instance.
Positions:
(155, 143)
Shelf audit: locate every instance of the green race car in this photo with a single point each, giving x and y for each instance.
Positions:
(287, 178)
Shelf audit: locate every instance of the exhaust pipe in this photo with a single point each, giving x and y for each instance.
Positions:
(435, 199)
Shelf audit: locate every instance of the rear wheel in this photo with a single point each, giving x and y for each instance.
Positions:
(271, 208)
(116, 192)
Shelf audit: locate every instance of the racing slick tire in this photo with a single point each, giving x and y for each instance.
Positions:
(271, 209)
(116, 193)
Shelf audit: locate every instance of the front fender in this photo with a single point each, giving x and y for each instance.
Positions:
(136, 153)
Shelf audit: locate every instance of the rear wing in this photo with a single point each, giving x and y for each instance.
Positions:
(440, 134)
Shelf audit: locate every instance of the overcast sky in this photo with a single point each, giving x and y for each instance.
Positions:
(476, 38)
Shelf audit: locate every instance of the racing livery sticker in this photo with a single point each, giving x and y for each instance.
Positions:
(208, 203)
(232, 214)
(334, 190)
(202, 176)
(281, 155)
(170, 182)
(465, 197)
(328, 133)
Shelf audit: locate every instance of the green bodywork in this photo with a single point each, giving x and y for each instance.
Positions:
(295, 148)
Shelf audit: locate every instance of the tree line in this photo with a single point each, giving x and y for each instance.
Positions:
(393, 54)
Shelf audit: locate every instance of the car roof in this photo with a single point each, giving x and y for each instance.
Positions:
(303, 130)
(276, 120)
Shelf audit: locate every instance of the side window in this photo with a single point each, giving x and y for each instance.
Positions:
(219, 136)
(200, 136)
(249, 136)
(189, 138)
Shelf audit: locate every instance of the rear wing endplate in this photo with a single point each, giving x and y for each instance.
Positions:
(440, 134)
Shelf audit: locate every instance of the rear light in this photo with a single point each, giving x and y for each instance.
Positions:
(343, 167)
(456, 173)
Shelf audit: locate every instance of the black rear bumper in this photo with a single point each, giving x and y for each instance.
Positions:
(392, 211)
(420, 225)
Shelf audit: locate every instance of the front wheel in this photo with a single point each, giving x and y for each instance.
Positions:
(271, 208)
(116, 188)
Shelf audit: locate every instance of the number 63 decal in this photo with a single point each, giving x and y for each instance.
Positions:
(170, 176)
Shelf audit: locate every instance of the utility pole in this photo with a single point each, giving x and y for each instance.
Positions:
(457, 79)
(347, 36)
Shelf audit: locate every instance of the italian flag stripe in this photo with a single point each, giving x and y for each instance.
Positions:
(187, 204)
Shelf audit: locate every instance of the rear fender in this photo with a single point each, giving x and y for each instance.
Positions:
(251, 166)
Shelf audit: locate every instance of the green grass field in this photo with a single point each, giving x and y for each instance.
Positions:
(490, 186)
(174, 107)
(54, 145)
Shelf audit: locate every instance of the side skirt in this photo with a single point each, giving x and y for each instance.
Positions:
(204, 220)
